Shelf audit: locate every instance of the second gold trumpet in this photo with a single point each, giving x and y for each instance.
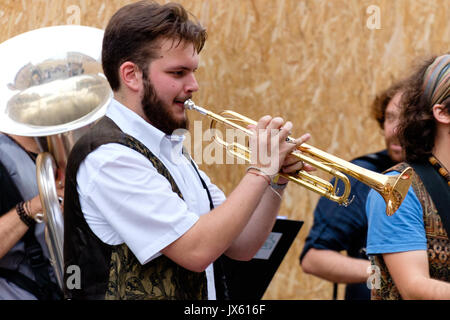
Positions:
(393, 189)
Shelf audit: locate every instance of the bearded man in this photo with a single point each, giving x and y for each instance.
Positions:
(141, 220)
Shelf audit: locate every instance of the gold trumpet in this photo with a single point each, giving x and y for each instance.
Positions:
(393, 189)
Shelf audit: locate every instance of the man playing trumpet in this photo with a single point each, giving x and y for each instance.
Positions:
(141, 220)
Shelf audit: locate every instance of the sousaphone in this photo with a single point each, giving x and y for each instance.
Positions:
(52, 88)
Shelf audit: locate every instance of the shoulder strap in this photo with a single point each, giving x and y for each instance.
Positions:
(40, 266)
(138, 146)
(9, 196)
(437, 189)
(106, 131)
(186, 154)
(20, 167)
(379, 159)
(220, 278)
(21, 281)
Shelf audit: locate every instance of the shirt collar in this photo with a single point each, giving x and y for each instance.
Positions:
(131, 123)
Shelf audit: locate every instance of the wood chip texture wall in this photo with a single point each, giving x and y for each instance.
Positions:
(317, 63)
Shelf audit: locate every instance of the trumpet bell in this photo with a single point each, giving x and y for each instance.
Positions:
(396, 189)
(393, 189)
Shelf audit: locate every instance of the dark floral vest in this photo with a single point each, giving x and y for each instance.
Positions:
(438, 244)
(113, 271)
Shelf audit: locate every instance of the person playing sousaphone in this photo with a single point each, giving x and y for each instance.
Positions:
(45, 104)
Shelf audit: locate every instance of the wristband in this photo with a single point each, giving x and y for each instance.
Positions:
(277, 186)
(24, 216)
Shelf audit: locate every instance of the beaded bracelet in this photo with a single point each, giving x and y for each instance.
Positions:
(23, 215)
(262, 171)
(271, 180)
(260, 175)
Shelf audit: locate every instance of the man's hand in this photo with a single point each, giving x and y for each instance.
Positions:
(292, 163)
(270, 149)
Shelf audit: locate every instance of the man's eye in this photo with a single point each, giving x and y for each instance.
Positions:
(177, 73)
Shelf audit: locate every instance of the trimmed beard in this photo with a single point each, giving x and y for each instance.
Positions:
(157, 112)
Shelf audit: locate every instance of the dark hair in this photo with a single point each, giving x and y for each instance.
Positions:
(417, 126)
(133, 29)
(381, 101)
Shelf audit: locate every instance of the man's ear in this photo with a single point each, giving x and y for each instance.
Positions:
(130, 76)
(441, 114)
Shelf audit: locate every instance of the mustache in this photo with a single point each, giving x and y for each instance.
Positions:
(183, 99)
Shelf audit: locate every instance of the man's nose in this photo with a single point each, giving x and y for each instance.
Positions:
(191, 84)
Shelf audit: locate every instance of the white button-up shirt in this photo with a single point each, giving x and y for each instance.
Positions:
(125, 199)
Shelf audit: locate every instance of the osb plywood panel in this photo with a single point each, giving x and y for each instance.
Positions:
(317, 63)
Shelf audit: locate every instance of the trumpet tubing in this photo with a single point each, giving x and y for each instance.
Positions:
(393, 189)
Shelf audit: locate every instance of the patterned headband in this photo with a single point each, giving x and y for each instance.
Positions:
(437, 80)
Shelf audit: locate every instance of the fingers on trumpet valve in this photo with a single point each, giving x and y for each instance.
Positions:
(277, 123)
(300, 140)
(285, 131)
(294, 165)
(263, 123)
(272, 125)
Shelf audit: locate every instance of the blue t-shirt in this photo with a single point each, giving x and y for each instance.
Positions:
(403, 231)
(340, 228)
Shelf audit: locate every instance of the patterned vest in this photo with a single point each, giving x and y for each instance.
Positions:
(438, 244)
(113, 271)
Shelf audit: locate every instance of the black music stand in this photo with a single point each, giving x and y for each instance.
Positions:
(248, 280)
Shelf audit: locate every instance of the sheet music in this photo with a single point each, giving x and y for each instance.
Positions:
(268, 246)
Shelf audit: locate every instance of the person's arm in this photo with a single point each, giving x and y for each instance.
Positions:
(401, 240)
(12, 228)
(410, 272)
(334, 266)
(337, 228)
(255, 233)
(215, 232)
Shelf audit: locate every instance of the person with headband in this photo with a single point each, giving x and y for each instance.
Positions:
(410, 251)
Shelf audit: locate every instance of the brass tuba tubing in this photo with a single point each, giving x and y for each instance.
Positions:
(393, 189)
(53, 218)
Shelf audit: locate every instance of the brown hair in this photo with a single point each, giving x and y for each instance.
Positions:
(381, 101)
(133, 29)
(417, 127)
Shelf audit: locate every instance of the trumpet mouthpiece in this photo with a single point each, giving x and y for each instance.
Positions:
(189, 104)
